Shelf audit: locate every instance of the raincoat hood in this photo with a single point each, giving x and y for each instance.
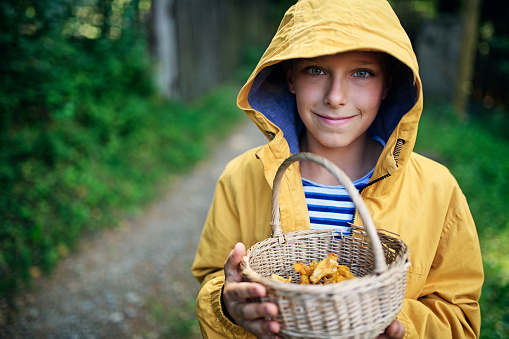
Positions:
(338, 26)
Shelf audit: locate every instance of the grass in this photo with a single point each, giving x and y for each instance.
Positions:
(176, 321)
(477, 154)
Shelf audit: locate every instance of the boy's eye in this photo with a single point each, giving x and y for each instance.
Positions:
(314, 70)
(362, 74)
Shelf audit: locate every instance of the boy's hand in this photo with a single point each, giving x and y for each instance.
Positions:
(236, 292)
(396, 330)
(251, 316)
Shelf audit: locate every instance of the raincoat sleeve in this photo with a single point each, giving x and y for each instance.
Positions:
(448, 306)
(220, 234)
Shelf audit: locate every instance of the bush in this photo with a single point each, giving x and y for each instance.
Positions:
(83, 138)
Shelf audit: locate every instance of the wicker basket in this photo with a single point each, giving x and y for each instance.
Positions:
(357, 308)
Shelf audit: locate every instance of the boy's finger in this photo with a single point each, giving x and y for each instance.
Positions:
(395, 330)
(253, 311)
(232, 264)
(243, 291)
(238, 251)
(262, 328)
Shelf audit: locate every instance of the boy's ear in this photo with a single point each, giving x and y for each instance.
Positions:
(288, 69)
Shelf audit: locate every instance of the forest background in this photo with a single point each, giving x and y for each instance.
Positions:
(96, 90)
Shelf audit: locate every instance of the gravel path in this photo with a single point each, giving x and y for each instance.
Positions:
(134, 281)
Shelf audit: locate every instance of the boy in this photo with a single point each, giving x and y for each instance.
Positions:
(340, 79)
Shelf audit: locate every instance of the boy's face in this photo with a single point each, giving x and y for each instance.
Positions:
(338, 96)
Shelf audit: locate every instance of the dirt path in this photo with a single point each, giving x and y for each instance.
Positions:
(135, 281)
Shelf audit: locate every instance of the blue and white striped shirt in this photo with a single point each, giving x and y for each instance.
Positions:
(330, 207)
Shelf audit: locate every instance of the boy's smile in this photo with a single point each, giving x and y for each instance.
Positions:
(334, 120)
(338, 96)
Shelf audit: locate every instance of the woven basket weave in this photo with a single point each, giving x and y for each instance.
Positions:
(357, 308)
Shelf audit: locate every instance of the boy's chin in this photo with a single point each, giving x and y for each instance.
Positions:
(334, 141)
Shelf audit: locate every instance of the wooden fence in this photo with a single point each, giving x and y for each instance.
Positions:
(200, 43)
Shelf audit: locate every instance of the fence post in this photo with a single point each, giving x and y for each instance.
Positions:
(164, 28)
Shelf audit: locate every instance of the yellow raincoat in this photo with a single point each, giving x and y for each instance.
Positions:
(408, 194)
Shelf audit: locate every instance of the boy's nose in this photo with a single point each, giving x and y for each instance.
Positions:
(336, 95)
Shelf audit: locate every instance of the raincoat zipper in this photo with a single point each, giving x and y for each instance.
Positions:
(396, 153)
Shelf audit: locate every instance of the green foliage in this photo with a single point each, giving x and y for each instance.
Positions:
(73, 176)
(179, 320)
(479, 159)
(278, 8)
(250, 58)
(82, 136)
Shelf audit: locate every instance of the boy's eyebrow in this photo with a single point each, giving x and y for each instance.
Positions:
(367, 62)
(362, 62)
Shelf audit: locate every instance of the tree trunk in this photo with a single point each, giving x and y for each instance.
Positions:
(165, 47)
(464, 87)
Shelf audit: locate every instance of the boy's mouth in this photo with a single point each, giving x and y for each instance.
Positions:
(334, 120)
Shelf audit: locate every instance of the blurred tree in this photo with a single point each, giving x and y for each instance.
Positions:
(468, 49)
(479, 65)
(164, 48)
(449, 6)
(491, 83)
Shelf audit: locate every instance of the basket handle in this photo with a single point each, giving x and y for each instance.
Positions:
(277, 232)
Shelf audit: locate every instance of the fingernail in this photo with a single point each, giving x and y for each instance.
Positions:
(267, 310)
(274, 327)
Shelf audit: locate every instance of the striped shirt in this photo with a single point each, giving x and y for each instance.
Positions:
(330, 207)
